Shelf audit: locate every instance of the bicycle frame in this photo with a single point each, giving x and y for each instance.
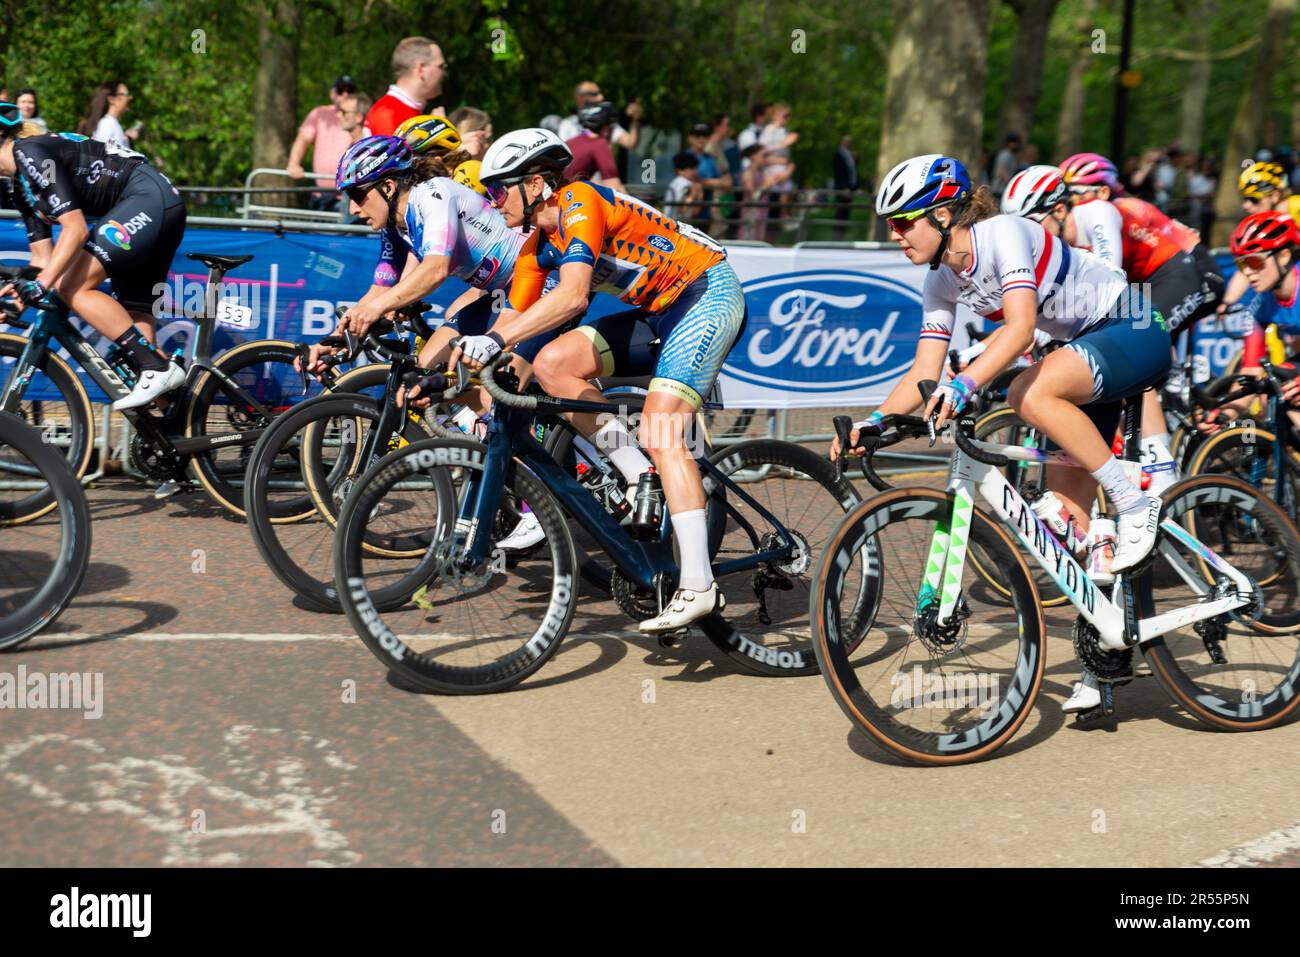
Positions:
(1114, 622)
(56, 325)
(641, 562)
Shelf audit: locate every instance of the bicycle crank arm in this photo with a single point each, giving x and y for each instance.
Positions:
(193, 446)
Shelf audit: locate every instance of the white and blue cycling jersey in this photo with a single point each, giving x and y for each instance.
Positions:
(444, 218)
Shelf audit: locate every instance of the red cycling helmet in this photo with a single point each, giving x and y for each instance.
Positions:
(1263, 233)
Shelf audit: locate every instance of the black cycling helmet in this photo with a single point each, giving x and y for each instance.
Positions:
(597, 116)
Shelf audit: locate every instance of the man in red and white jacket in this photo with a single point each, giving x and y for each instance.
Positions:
(419, 67)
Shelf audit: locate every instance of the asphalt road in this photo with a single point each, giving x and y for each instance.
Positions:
(240, 728)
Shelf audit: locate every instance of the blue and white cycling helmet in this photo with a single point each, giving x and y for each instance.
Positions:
(922, 184)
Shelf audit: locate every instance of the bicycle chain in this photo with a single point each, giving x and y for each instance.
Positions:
(1108, 667)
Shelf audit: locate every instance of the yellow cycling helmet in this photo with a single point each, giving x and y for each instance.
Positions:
(1259, 179)
(467, 175)
(426, 134)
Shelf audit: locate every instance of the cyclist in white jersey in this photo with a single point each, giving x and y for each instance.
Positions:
(1009, 270)
(447, 228)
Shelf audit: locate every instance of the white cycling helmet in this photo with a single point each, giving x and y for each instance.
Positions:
(1034, 192)
(523, 152)
(519, 154)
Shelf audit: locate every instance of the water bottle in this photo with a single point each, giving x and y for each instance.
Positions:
(1102, 536)
(1052, 513)
(649, 503)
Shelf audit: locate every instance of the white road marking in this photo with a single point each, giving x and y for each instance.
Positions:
(163, 794)
(1261, 851)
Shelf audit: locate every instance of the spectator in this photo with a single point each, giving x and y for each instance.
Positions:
(419, 68)
(682, 201)
(27, 107)
(983, 175)
(844, 169)
(551, 122)
(710, 177)
(1007, 163)
(1179, 203)
(1142, 182)
(759, 173)
(1202, 187)
(1030, 156)
(724, 149)
(102, 121)
(475, 128)
(777, 140)
(4, 96)
(592, 153)
(324, 133)
(759, 116)
(1166, 172)
(588, 93)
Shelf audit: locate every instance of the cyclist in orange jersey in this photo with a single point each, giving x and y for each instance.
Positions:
(684, 293)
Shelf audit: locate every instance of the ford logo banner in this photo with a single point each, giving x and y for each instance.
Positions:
(829, 330)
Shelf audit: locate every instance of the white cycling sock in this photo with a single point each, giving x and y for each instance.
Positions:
(693, 544)
(1122, 493)
(612, 439)
(1155, 449)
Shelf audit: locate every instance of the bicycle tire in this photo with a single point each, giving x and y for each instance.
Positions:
(219, 480)
(420, 667)
(1254, 709)
(50, 597)
(81, 416)
(842, 674)
(739, 634)
(313, 581)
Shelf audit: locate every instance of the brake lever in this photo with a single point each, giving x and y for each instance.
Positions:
(927, 388)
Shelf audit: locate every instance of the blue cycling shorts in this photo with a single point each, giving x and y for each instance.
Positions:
(683, 346)
(1128, 352)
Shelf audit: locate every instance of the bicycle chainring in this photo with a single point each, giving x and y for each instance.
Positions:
(1109, 667)
(634, 601)
(155, 464)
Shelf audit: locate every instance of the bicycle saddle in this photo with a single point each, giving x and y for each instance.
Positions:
(222, 263)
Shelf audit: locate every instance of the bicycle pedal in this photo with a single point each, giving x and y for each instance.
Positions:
(667, 639)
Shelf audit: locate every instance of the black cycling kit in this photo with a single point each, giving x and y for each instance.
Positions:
(141, 214)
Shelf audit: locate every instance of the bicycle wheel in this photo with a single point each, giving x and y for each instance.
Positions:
(928, 694)
(314, 449)
(461, 632)
(55, 403)
(264, 370)
(45, 558)
(764, 627)
(1241, 672)
(1004, 427)
(1248, 453)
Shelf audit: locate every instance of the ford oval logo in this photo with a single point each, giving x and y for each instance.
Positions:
(826, 330)
(661, 243)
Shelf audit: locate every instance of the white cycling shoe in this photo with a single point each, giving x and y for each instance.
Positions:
(1086, 696)
(152, 384)
(1136, 535)
(526, 533)
(685, 607)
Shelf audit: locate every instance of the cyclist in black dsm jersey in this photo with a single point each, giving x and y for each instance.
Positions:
(67, 179)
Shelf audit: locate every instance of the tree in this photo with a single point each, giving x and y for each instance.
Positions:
(1243, 137)
(275, 91)
(934, 86)
(1069, 128)
(1033, 17)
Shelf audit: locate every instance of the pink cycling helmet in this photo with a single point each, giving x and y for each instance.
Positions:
(1084, 171)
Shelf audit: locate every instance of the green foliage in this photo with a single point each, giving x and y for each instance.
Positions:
(519, 60)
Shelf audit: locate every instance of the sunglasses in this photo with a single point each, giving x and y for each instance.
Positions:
(1252, 263)
(358, 194)
(903, 224)
(497, 192)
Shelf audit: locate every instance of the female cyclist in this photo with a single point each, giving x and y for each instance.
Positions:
(684, 292)
(67, 179)
(1265, 246)
(1073, 203)
(1012, 271)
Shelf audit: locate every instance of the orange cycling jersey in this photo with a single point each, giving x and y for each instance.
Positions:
(636, 252)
